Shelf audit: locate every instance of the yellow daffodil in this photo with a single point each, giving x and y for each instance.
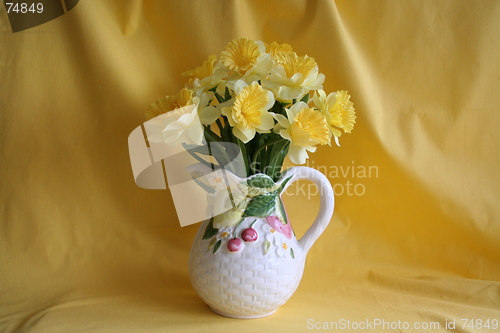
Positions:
(169, 103)
(207, 76)
(240, 55)
(247, 59)
(235, 95)
(207, 114)
(294, 76)
(249, 112)
(338, 110)
(204, 70)
(274, 49)
(304, 127)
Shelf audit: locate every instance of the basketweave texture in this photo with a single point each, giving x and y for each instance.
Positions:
(249, 283)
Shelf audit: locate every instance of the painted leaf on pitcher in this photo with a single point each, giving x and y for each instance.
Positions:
(260, 206)
(267, 246)
(210, 231)
(261, 181)
(217, 245)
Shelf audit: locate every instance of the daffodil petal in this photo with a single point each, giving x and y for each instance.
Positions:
(209, 114)
(244, 134)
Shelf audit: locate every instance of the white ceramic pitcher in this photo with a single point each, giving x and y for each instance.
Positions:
(250, 268)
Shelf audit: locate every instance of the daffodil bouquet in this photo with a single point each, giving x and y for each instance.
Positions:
(263, 98)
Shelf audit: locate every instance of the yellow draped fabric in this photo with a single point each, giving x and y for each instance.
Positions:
(415, 237)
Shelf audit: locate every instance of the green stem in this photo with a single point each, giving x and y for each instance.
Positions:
(279, 153)
(236, 228)
(209, 134)
(220, 99)
(219, 124)
(258, 150)
(199, 159)
(244, 154)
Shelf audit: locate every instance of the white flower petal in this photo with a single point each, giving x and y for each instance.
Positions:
(282, 120)
(287, 93)
(297, 154)
(239, 85)
(337, 140)
(267, 122)
(209, 114)
(244, 134)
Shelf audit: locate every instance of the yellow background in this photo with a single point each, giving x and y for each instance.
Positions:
(83, 249)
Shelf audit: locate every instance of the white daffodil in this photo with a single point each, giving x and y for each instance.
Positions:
(304, 127)
(176, 127)
(293, 76)
(249, 112)
(261, 70)
(209, 114)
(338, 110)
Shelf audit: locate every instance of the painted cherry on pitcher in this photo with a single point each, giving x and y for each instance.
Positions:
(249, 235)
(234, 245)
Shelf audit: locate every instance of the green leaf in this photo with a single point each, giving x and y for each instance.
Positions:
(217, 245)
(267, 246)
(292, 254)
(212, 242)
(210, 136)
(220, 99)
(227, 94)
(305, 98)
(244, 154)
(281, 211)
(261, 182)
(283, 183)
(280, 157)
(210, 231)
(192, 149)
(260, 206)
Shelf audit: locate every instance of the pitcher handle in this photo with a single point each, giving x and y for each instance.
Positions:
(326, 204)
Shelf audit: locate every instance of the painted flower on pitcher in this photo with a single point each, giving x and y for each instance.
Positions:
(224, 233)
(305, 128)
(281, 246)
